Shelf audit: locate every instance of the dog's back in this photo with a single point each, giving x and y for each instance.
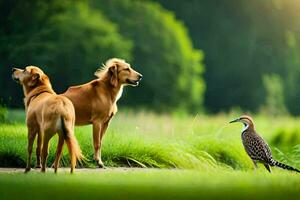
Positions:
(53, 110)
(46, 114)
(58, 116)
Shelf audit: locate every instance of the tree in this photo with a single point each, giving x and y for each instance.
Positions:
(162, 52)
(67, 39)
(243, 41)
(275, 102)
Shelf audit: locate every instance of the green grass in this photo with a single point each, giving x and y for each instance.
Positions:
(197, 156)
(162, 141)
(150, 184)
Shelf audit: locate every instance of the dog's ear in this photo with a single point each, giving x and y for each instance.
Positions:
(34, 79)
(114, 75)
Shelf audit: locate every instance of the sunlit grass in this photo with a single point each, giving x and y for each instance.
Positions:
(196, 157)
(143, 139)
(150, 184)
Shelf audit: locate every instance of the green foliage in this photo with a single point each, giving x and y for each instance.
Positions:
(286, 136)
(292, 78)
(223, 151)
(162, 51)
(3, 113)
(74, 37)
(81, 39)
(275, 103)
(292, 157)
(68, 40)
(243, 41)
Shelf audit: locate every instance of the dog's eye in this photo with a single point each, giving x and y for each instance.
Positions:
(127, 69)
(24, 71)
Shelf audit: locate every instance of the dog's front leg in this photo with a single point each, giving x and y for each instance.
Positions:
(102, 132)
(31, 137)
(96, 143)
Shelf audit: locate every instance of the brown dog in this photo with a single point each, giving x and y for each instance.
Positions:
(95, 102)
(46, 114)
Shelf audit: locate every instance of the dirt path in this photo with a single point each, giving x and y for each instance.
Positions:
(80, 170)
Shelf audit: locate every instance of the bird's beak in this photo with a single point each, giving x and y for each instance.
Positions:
(233, 121)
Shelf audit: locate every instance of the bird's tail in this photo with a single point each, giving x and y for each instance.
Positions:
(283, 166)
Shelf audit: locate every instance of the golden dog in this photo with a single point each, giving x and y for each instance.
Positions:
(46, 115)
(95, 102)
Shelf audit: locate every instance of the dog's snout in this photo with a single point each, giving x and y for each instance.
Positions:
(140, 76)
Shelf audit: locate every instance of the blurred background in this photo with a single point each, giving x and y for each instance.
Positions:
(196, 56)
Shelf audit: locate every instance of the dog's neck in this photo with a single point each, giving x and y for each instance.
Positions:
(119, 93)
(41, 83)
(115, 92)
(31, 93)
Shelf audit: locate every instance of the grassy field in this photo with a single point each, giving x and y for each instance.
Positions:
(196, 156)
(150, 184)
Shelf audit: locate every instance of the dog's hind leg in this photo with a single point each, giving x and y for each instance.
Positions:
(45, 150)
(31, 137)
(38, 150)
(58, 151)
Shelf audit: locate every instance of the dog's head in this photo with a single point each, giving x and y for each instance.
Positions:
(120, 73)
(29, 77)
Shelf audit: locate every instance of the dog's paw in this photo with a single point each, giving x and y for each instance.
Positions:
(27, 170)
(100, 164)
(38, 166)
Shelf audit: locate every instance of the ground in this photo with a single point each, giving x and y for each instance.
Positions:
(148, 184)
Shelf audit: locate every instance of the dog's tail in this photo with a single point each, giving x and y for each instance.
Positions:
(73, 146)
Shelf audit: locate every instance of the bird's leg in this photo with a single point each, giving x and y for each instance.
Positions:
(255, 165)
(267, 167)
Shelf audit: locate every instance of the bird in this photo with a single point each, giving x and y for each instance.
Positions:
(257, 149)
